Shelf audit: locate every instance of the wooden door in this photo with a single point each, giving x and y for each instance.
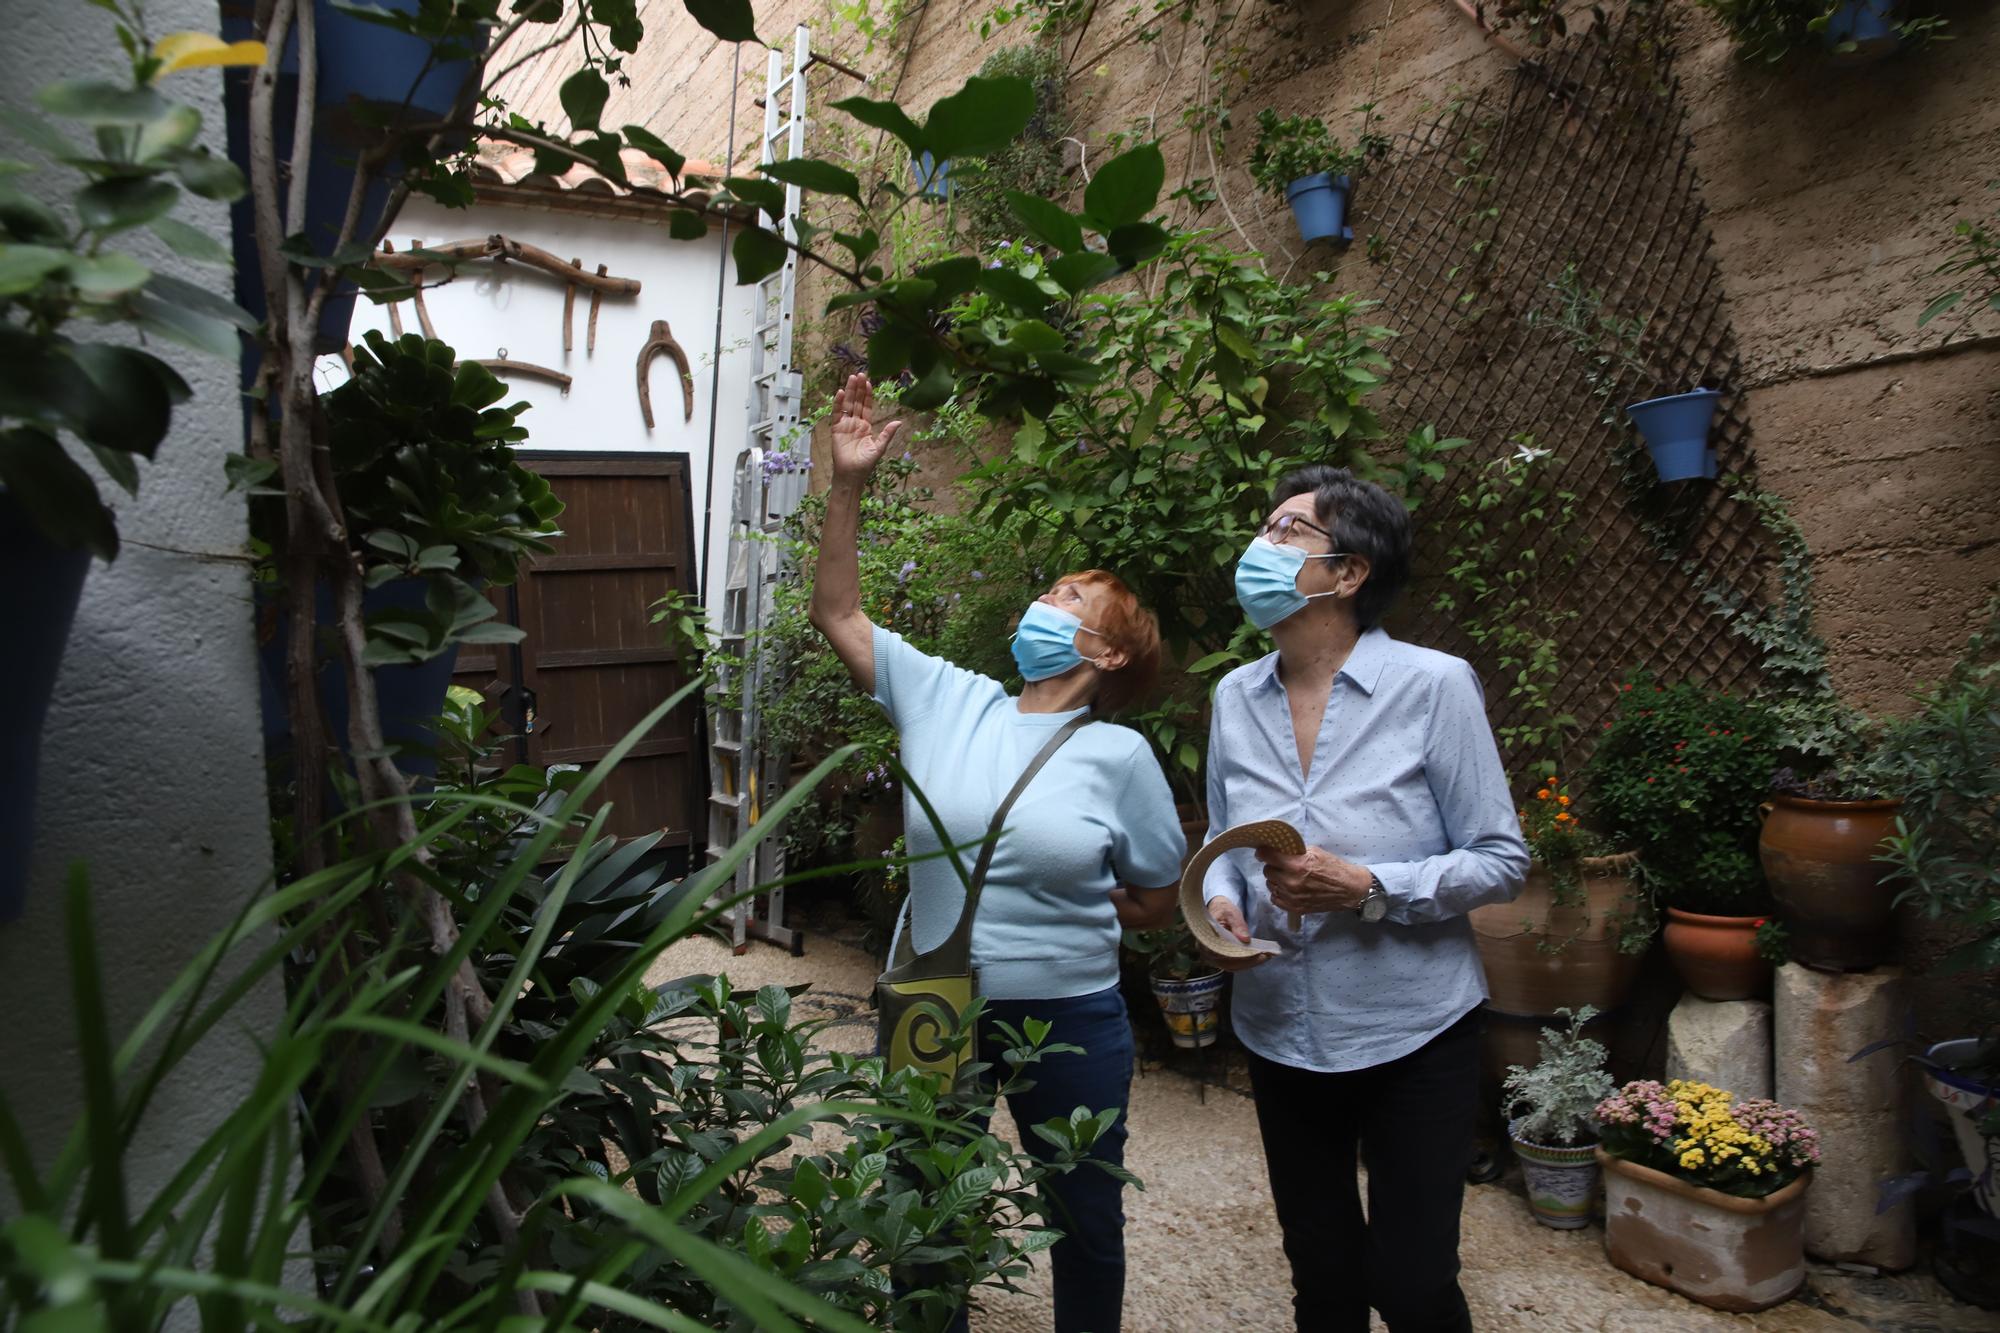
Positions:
(593, 664)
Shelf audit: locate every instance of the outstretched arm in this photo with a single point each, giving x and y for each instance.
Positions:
(836, 601)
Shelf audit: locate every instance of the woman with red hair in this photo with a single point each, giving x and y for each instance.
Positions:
(1092, 843)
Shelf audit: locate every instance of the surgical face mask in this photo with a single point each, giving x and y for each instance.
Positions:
(1045, 644)
(1267, 581)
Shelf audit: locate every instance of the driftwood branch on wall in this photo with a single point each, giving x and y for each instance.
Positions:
(501, 250)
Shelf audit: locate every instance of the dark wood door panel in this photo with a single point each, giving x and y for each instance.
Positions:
(593, 662)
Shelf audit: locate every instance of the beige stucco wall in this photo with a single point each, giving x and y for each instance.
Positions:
(1832, 193)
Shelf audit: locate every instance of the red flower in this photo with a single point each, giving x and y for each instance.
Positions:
(1649, 779)
(1760, 923)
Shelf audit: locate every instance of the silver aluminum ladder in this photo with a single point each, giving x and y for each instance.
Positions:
(747, 767)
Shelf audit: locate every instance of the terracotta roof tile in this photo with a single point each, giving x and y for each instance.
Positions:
(647, 182)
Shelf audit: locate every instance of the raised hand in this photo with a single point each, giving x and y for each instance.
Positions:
(857, 445)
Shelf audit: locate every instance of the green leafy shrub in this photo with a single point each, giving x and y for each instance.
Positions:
(62, 269)
(1556, 1099)
(1944, 761)
(1296, 147)
(1031, 164)
(1678, 774)
(1504, 570)
(1771, 30)
(1211, 388)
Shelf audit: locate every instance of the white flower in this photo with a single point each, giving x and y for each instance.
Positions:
(1528, 453)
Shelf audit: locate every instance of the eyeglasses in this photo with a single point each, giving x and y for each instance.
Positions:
(1279, 531)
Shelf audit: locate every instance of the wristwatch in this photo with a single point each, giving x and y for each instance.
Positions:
(1376, 905)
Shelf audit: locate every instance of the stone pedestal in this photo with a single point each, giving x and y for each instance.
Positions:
(1823, 1019)
(1723, 1043)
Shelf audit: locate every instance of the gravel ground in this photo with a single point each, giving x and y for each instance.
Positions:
(1202, 1242)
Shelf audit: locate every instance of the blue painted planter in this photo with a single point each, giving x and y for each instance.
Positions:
(359, 62)
(1676, 431)
(408, 698)
(1319, 204)
(930, 177)
(1869, 24)
(40, 586)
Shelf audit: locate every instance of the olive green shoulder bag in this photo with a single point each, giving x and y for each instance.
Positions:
(922, 996)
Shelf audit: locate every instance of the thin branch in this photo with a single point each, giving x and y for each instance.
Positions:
(494, 78)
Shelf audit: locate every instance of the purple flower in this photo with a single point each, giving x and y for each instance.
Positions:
(978, 574)
(903, 575)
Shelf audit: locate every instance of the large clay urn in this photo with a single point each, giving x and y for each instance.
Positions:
(1541, 955)
(1717, 955)
(1819, 858)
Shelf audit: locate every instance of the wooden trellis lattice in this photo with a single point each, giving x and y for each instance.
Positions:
(1583, 158)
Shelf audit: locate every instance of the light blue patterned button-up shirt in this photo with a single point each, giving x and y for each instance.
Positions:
(1406, 780)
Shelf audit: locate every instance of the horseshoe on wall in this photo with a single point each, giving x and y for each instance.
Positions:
(661, 339)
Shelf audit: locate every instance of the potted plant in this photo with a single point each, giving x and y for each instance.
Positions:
(1298, 161)
(1819, 846)
(1679, 773)
(1674, 426)
(67, 269)
(1185, 986)
(1561, 944)
(1551, 1114)
(436, 507)
(1858, 30)
(1705, 1195)
(1944, 856)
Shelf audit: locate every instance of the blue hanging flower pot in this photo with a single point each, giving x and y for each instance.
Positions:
(1319, 204)
(1676, 433)
(366, 70)
(1866, 28)
(39, 591)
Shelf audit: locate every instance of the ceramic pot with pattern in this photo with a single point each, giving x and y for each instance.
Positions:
(1819, 858)
(1562, 1182)
(1190, 1008)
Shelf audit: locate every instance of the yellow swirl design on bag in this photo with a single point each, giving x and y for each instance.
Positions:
(929, 1006)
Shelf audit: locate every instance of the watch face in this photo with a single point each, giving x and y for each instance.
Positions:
(1375, 906)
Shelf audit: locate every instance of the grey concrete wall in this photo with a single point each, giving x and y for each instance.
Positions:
(153, 760)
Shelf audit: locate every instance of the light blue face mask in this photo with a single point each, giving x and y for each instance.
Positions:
(1045, 643)
(1267, 581)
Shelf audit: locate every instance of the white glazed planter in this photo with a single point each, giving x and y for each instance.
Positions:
(1963, 1100)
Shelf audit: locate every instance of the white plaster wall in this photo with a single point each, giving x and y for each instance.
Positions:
(153, 759)
(490, 308)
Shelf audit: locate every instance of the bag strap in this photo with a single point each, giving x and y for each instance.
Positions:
(961, 934)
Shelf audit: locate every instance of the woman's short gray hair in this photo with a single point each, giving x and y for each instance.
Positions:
(1365, 520)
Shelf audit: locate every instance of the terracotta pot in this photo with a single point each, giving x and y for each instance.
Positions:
(1562, 1182)
(1541, 956)
(1819, 859)
(1728, 1253)
(1717, 955)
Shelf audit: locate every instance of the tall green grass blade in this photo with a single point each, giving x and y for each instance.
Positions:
(104, 1203)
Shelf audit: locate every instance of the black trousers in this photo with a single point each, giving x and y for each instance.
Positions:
(1412, 1120)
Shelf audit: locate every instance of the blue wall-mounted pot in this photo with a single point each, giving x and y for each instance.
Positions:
(1869, 24)
(408, 697)
(358, 61)
(1676, 432)
(40, 586)
(1319, 204)
(930, 177)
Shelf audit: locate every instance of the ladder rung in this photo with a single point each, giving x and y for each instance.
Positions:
(734, 747)
(720, 801)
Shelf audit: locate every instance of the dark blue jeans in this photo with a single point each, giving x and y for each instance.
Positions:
(1085, 1205)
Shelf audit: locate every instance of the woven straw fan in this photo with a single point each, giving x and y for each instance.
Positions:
(1273, 833)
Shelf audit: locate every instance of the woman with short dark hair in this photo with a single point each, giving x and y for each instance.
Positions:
(1092, 843)
(1363, 1031)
